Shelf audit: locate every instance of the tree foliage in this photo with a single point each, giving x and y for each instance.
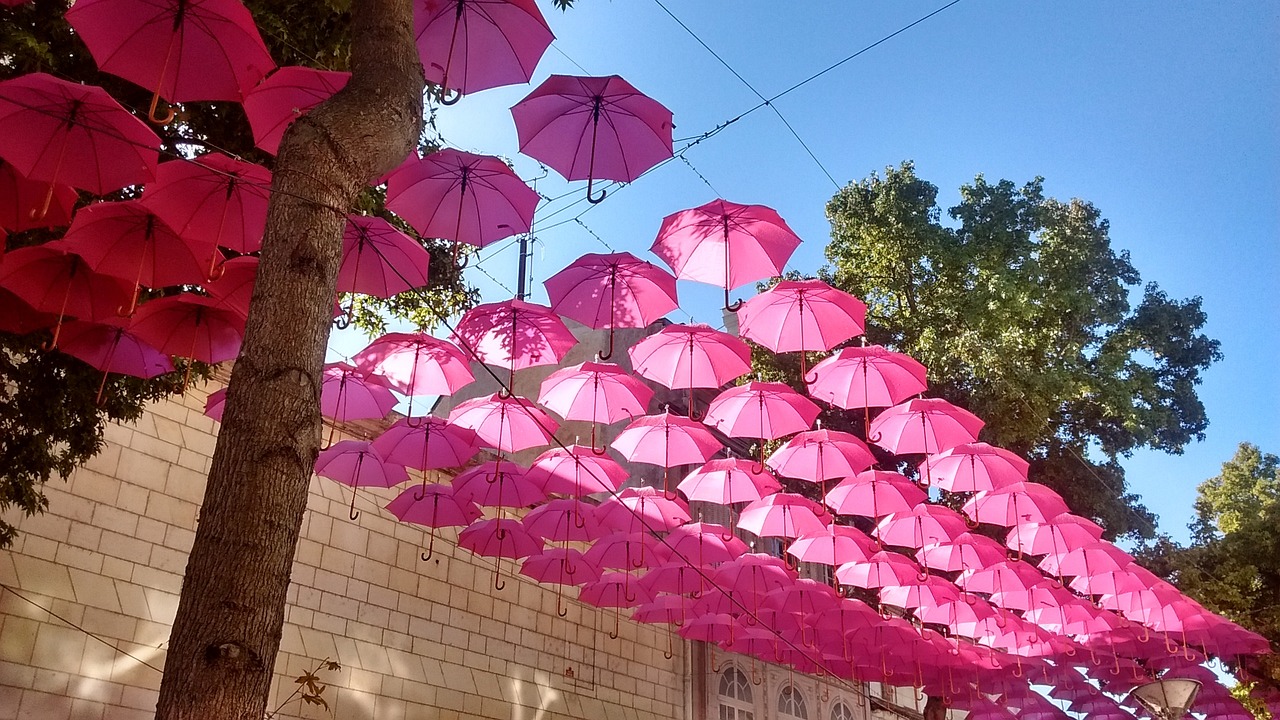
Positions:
(1024, 314)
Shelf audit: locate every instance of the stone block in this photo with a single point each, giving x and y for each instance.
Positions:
(43, 577)
(94, 590)
(58, 648)
(17, 639)
(143, 468)
(95, 486)
(36, 705)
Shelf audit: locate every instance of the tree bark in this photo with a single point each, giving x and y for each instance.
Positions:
(227, 630)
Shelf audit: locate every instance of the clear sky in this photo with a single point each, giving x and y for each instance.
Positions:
(1164, 115)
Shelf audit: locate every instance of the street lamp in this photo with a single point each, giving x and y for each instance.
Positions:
(1167, 699)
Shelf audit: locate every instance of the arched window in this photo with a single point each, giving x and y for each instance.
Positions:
(791, 704)
(840, 711)
(735, 696)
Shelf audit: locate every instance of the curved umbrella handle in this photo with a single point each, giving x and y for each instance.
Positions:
(617, 624)
(756, 677)
(1017, 670)
(608, 353)
(971, 523)
(498, 583)
(431, 546)
(595, 200)
(602, 450)
(446, 99)
(170, 112)
(734, 306)
(355, 514)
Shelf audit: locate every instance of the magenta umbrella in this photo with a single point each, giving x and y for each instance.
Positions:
(560, 566)
(514, 334)
(834, 545)
(667, 441)
(612, 291)
(1000, 577)
(924, 425)
(821, 455)
(212, 200)
(1059, 535)
(615, 590)
(459, 196)
(627, 551)
(110, 347)
(416, 364)
(499, 538)
(784, 515)
(287, 94)
(727, 481)
(593, 128)
(705, 544)
(974, 467)
(349, 394)
(51, 121)
(931, 591)
(497, 483)
(642, 508)
(867, 377)
(874, 494)
(576, 471)
(21, 199)
(51, 280)
(563, 520)
(801, 316)
(725, 244)
(379, 260)
(765, 410)
(881, 569)
(181, 50)
(357, 464)
(433, 506)
(1014, 504)
(189, 326)
(127, 241)
(473, 45)
(692, 356)
(596, 393)
(234, 286)
(966, 552)
(507, 424)
(920, 526)
(430, 445)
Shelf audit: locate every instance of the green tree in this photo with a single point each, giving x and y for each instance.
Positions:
(1022, 312)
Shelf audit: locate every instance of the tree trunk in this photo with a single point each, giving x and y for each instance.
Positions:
(227, 630)
(935, 708)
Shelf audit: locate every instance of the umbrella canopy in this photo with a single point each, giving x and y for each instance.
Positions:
(881, 569)
(931, 591)
(666, 440)
(576, 471)
(190, 326)
(233, 288)
(416, 364)
(704, 544)
(690, 356)
(356, 463)
(1056, 537)
(867, 377)
(561, 566)
(460, 196)
(594, 392)
(643, 508)
(497, 483)
(21, 200)
(286, 95)
(833, 545)
(379, 260)
(212, 200)
(802, 315)
(348, 394)
(627, 551)
(64, 133)
(1014, 504)
(926, 426)
(593, 128)
(499, 538)
(51, 280)
(725, 244)
(473, 45)
(514, 334)
(784, 515)
(433, 506)
(429, 444)
(974, 467)
(874, 494)
(728, 481)
(183, 51)
(821, 455)
(766, 410)
(563, 519)
(966, 552)
(612, 291)
(922, 525)
(507, 424)
(110, 347)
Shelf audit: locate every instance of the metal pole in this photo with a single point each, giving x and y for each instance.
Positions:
(522, 279)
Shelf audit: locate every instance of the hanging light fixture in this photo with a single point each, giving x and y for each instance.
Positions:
(1167, 699)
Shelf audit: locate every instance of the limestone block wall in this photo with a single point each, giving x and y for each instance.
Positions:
(91, 587)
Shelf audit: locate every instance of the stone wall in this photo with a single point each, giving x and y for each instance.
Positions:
(91, 587)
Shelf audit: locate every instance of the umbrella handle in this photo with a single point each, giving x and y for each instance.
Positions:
(127, 310)
(734, 306)
(604, 356)
(756, 677)
(561, 609)
(498, 583)
(216, 269)
(355, 514)
(448, 100)
(617, 624)
(1146, 634)
(343, 321)
(923, 574)
(597, 199)
(597, 450)
(1171, 649)
(670, 652)
(170, 112)
(431, 546)
(971, 523)
(1015, 556)
(1017, 671)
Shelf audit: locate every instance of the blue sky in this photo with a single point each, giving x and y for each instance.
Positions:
(1164, 115)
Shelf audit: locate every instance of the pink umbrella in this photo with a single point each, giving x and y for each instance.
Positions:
(801, 316)
(473, 45)
(784, 515)
(459, 196)
(627, 551)
(867, 377)
(560, 566)
(821, 455)
(514, 334)
(834, 545)
(183, 51)
(509, 424)
(429, 445)
(726, 244)
(926, 426)
(499, 538)
(666, 440)
(705, 544)
(357, 464)
(874, 494)
(922, 525)
(234, 286)
(212, 200)
(287, 94)
(110, 347)
(612, 291)
(974, 467)
(215, 404)
(614, 590)
(642, 508)
(1132, 579)
(761, 410)
(127, 241)
(966, 552)
(576, 471)
(21, 200)
(1011, 505)
(51, 121)
(593, 128)
(563, 520)
(497, 483)
(928, 592)
(692, 356)
(416, 364)
(881, 569)
(595, 393)
(18, 317)
(348, 394)
(1056, 537)
(379, 260)
(187, 325)
(433, 506)
(1000, 577)
(1095, 558)
(727, 481)
(51, 280)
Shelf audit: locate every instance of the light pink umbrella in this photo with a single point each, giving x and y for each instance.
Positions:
(428, 445)
(212, 200)
(593, 128)
(576, 471)
(507, 424)
(459, 196)
(514, 334)
(705, 544)
(642, 508)
(612, 291)
(728, 480)
(925, 426)
(922, 525)
(874, 494)
(182, 51)
(433, 506)
(765, 410)
(784, 515)
(416, 364)
(379, 260)
(821, 455)
(596, 393)
(110, 347)
(667, 441)
(1056, 537)
(802, 316)
(966, 552)
(499, 538)
(357, 464)
(1098, 557)
(834, 545)
(867, 377)
(562, 520)
(1014, 504)
(881, 569)
(348, 394)
(922, 593)
(473, 45)
(21, 200)
(1132, 579)
(286, 95)
(1000, 577)
(691, 356)
(725, 244)
(974, 467)
(51, 280)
